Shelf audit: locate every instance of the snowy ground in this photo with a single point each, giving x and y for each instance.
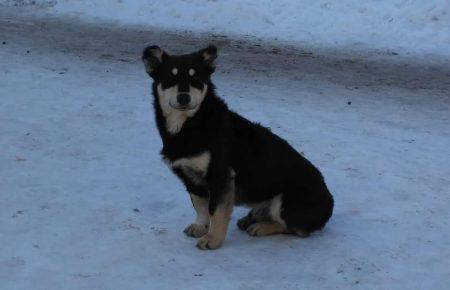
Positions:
(86, 203)
(405, 27)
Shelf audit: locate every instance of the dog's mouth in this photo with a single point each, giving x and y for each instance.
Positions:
(179, 107)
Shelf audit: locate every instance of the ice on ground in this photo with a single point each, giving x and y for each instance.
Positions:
(86, 202)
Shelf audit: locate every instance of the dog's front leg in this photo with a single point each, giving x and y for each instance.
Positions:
(221, 201)
(201, 225)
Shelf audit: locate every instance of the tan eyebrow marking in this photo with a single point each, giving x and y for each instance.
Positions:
(174, 71)
(191, 72)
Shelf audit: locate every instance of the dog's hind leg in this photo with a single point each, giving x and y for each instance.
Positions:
(266, 219)
(267, 228)
(273, 223)
(258, 213)
(306, 212)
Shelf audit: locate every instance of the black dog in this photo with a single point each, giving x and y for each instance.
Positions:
(223, 159)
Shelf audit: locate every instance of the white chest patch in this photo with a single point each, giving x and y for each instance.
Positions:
(175, 120)
(194, 167)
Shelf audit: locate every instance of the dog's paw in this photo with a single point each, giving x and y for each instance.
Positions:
(196, 230)
(254, 230)
(265, 229)
(244, 223)
(209, 242)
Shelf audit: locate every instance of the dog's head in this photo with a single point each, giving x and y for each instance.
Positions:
(181, 81)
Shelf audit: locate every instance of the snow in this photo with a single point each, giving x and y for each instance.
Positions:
(406, 27)
(86, 202)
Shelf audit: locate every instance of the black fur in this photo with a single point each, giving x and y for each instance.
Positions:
(265, 165)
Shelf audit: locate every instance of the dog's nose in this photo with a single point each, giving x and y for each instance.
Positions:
(183, 99)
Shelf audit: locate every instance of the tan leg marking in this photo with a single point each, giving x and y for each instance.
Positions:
(218, 229)
(266, 228)
(201, 224)
(219, 221)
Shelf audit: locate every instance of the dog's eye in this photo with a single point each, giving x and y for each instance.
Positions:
(174, 71)
(191, 72)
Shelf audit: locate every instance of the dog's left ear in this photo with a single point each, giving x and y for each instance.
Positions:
(209, 56)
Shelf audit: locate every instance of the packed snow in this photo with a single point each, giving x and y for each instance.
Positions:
(87, 203)
(405, 27)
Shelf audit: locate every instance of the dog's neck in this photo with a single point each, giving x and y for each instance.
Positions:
(175, 120)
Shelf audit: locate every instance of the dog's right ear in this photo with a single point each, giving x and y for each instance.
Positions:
(153, 57)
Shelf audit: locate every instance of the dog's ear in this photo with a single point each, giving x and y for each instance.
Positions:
(153, 57)
(209, 55)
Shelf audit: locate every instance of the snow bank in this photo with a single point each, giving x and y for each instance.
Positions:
(414, 26)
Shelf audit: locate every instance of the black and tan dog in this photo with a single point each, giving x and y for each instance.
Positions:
(223, 159)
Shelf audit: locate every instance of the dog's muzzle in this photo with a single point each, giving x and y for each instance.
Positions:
(182, 102)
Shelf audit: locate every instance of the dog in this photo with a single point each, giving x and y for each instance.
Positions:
(224, 159)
